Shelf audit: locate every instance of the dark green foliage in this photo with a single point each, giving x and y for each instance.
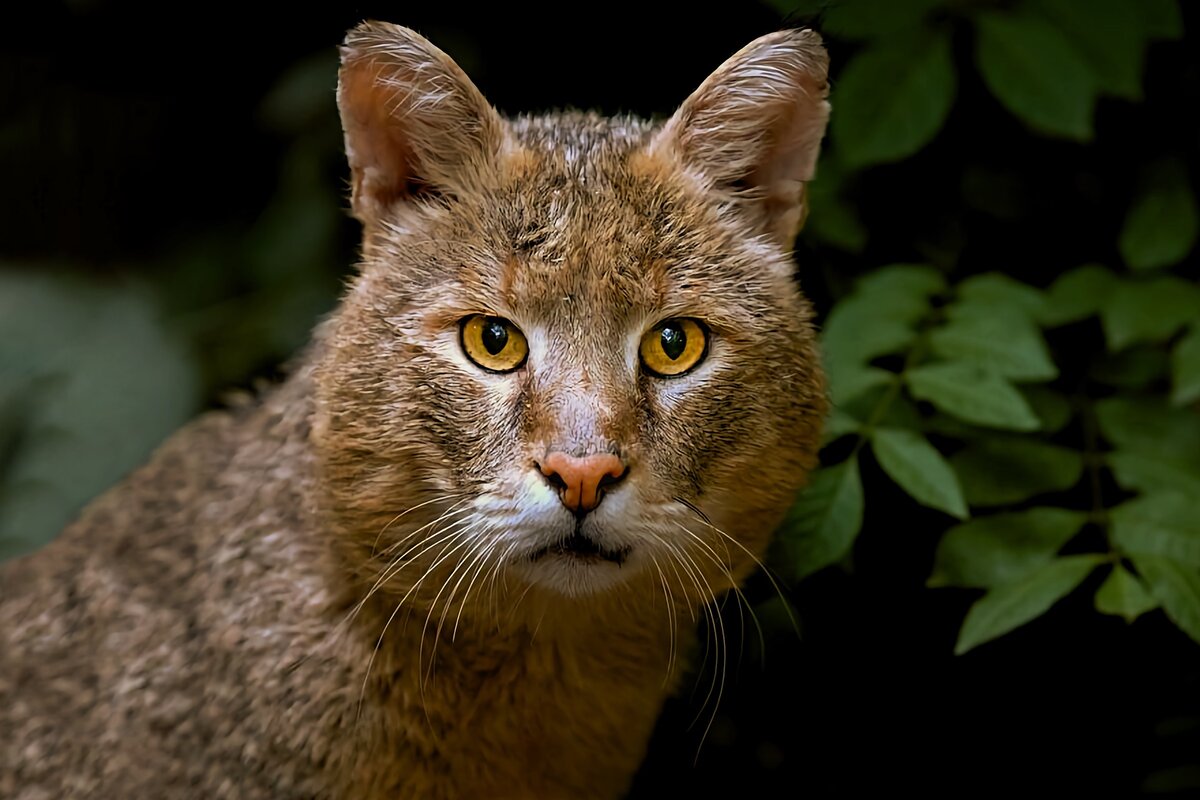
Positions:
(1035, 72)
(1012, 604)
(873, 127)
(1161, 226)
(1002, 548)
(825, 524)
(1123, 594)
(1070, 386)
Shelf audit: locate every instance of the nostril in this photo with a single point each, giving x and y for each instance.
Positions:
(608, 479)
(552, 477)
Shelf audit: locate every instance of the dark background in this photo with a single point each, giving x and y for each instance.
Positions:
(194, 152)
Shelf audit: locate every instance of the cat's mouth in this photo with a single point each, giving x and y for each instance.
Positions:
(579, 547)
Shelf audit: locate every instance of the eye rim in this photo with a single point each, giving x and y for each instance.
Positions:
(705, 332)
(515, 335)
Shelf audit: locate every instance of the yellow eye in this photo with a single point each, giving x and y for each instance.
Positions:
(673, 347)
(493, 343)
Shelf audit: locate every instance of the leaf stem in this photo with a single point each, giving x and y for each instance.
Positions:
(913, 357)
(1093, 457)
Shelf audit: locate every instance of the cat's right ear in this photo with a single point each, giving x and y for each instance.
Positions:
(753, 129)
(413, 121)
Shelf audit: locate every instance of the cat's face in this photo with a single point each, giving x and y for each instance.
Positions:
(587, 361)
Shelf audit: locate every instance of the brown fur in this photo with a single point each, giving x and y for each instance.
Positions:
(330, 593)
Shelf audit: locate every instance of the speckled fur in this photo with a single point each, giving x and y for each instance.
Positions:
(232, 621)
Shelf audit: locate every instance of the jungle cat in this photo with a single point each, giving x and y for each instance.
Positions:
(460, 551)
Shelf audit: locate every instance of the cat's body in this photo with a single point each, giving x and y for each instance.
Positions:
(366, 585)
(234, 674)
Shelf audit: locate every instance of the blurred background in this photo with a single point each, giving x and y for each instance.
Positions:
(995, 577)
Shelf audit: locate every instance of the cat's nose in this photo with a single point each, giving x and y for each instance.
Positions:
(581, 481)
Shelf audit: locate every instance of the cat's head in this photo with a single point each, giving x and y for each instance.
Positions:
(576, 355)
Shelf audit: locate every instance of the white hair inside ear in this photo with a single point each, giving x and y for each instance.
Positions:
(753, 129)
(413, 120)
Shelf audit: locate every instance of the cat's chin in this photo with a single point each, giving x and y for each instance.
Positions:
(574, 569)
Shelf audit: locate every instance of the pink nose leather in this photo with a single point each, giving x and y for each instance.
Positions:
(580, 481)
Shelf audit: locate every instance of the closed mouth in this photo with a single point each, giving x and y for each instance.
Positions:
(581, 548)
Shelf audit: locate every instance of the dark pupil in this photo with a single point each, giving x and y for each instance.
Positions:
(495, 336)
(674, 341)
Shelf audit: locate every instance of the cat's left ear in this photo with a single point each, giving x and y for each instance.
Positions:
(753, 129)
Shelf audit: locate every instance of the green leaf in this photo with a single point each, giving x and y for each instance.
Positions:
(832, 218)
(1037, 74)
(951, 427)
(869, 19)
(1123, 595)
(1148, 311)
(877, 319)
(99, 383)
(1161, 18)
(839, 424)
(1148, 425)
(913, 463)
(854, 335)
(834, 221)
(1163, 524)
(997, 472)
(866, 325)
(822, 525)
(908, 287)
(1132, 368)
(849, 383)
(1001, 549)
(998, 291)
(875, 124)
(1010, 606)
(1110, 37)
(885, 408)
(1161, 227)
(1005, 344)
(1177, 587)
(973, 394)
(1052, 409)
(1076, 295)
(1142, 472)
(1185, 368)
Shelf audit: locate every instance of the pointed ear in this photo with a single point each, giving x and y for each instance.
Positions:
(414, 123)
(753, 129)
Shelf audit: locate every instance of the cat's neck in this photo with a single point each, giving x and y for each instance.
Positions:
(524, 694)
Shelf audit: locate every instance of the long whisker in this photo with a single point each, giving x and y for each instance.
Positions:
(787, 607)
(491, 581)
(483, 564)
(396, 565)
(392, 616)
(737, 592)
(469, 564)
(445, 538)
(717, 626)
(671, 620)
(398, 517)
(392, 568)
(466, 541)
(456, 508)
